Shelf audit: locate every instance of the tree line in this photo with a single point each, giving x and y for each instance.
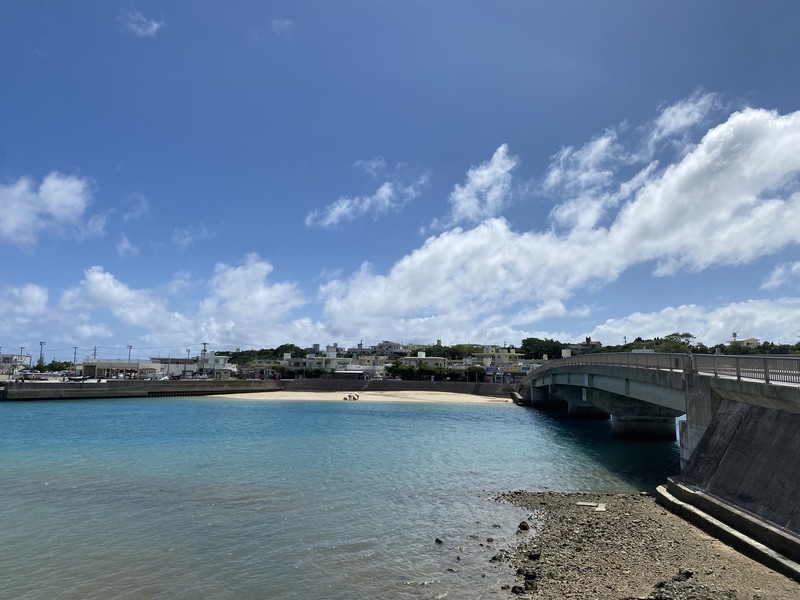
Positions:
(536, 348)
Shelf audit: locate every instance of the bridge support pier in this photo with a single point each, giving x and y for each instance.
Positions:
(634, 419)
(540, 397)
(627, 427)
(578, 407)
(701, 406)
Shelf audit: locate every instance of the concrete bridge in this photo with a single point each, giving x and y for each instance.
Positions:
(739, 442)
(644, 393)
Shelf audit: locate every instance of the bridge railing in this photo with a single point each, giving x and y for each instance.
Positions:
(752, 367)
(766, 368)
(660, 361)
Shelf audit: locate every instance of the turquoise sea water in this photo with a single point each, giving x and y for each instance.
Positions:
(217, 498)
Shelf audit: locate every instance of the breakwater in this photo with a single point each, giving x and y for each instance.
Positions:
(31, 390)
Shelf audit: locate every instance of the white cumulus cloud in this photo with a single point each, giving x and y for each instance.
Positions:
(391, 196)
(485, 193)
(730, 198)
(58, 202)
(125, 248)
(677, 119)
(781, 275)
(23, 303)
(775, 320)
(102, 290)
(244, 305)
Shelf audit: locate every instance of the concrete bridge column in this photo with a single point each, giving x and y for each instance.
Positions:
(635, 419)
(701, 406)
(630, 427)
(538, 395)
(578, 406)
(545, 397)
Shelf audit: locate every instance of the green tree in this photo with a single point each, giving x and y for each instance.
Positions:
(456, 352)
(295, 351)
(56, 365)
(675, 342)
(475, 373)
(424, 373)
(404, 372)
(243, 357)
(315, 373)
(534, 348)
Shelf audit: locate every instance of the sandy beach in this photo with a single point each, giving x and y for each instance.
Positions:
(369, 396)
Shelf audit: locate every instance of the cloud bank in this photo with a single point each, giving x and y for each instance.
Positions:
(680, 194)
(728, 199)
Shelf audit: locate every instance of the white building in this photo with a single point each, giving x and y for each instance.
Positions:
(421, 359)
(118, 369)
(13, 363)
(215, 365)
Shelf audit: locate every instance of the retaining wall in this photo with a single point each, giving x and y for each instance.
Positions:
(750, 458)
(31, 390)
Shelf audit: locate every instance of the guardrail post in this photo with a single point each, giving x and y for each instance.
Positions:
(766, 370)
(738, 370)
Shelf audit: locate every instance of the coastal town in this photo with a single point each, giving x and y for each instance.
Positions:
(385, 360)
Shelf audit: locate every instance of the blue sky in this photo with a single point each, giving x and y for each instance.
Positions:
(253, 173)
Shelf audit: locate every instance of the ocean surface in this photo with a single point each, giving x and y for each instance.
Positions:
(230, 499)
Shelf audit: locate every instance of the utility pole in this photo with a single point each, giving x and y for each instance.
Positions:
(21, 360)
(204, 357)
(41, 353)
(94, 353)
(186, 363)
(74, 356)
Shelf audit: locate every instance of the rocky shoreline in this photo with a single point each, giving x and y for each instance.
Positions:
(625, 546)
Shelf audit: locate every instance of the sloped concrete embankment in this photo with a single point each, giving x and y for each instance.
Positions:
(742, 484)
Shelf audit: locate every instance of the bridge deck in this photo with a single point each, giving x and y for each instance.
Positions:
(778, 370)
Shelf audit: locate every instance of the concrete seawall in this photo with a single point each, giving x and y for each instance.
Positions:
(742, 482)
(750, 457)
(32, 390)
